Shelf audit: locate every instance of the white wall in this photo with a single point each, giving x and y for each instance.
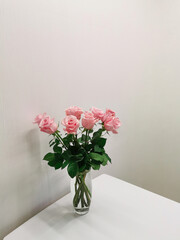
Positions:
(123, 54)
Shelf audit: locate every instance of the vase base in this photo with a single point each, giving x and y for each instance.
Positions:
(81, 211)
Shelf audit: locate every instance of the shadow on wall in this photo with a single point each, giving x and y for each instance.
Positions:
(30, 184)
(33, 142)
(22, 195)
(31, 188)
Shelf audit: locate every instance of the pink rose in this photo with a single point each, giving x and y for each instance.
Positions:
(108, 113)
(98, 113)
(112, 124)
(48, 125)
(75, 111)
(38, 118)
(71, 124)
(88, 120)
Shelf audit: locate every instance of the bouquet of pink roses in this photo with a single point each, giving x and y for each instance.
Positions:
(82, 147)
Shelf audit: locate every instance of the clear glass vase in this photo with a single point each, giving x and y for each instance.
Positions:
(81, 189)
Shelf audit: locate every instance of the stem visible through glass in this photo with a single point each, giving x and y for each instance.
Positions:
(82, 193)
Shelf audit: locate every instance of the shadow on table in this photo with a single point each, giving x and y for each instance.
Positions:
(57, 216)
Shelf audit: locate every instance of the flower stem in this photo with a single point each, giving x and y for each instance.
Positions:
(86, 137)
(82, 194)
(56, 134)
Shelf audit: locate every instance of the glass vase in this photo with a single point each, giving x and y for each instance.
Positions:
(81, 189)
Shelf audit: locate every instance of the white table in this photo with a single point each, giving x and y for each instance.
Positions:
(119, 211)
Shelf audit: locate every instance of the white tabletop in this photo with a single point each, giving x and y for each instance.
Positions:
(119, 211)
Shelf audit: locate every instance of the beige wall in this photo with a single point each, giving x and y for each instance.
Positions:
(123, 54)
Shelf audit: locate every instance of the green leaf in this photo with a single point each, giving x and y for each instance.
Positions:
(80, 140)
(66, 155)
(104, 163)
(101, 142)
(82, 167)
(86, 158)
(58, 157)
(72, 169)
(56, 164)
(97, 134)
(49, 157)
(98, 149)
(95, 166)
(54, 159)
(68, 139)
(52, 163)
(105, 156)
(65, 163)
(81, 150)
(96, 156)
(57, 149)
(89, 147)
(96, 162)
(72, 149)
(77, 157)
